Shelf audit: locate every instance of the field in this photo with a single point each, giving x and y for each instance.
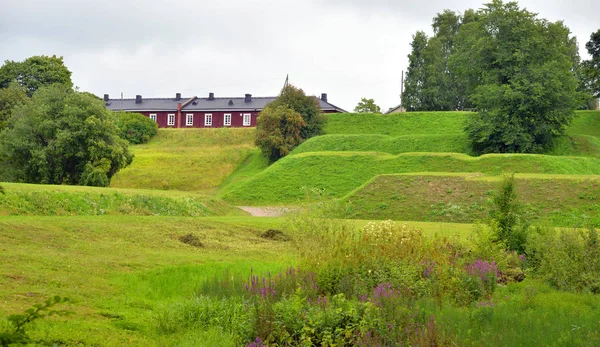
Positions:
(164, 258)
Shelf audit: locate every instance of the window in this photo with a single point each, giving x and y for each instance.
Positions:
(189, 120)
(208, 120)
(246, 119)
(227, 119)
(171, 120)
(153, 117)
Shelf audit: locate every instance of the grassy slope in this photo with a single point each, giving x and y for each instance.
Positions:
(187, 159)
(52, 200)
(566, 201)
(339, 173)
(122, 270)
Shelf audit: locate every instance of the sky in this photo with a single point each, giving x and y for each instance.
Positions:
(349, 49)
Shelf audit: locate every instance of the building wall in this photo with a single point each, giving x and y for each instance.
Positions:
(237, 119)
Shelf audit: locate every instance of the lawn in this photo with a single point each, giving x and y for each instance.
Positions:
(187, 159)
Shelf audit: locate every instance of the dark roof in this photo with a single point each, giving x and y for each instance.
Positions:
(201, 104)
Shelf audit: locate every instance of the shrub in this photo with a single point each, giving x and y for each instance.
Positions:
(135, 127)
(307, 106)
(278, 131)
(507, 218)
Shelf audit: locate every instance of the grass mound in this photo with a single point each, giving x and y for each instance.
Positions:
(49, 200)
(335, 174)
(186, 159)
(567, 201)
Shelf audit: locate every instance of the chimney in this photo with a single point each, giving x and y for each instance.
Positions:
(248, 98)
(324, 97)
(106, 98)
(177, 96)
(211, 96)
(138, 99)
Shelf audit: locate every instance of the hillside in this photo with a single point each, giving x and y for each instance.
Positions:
(560, 200)
(187, 159)
(52, 200)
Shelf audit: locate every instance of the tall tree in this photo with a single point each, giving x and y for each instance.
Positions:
(62, 137)
(367, 106)
(592, 67)
(10, 97)
(520, 72)
(35, 72)
(412, 98)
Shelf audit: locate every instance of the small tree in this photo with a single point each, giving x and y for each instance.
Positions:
(367, 106)
(278, 131)
(307, 106)
(135, 127)
(63, 137)
(506, 216)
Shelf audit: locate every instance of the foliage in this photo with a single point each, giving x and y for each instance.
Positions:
(592, 67)
(568, 260)
(278, 131)
(367, 106)
(20, 322)
(135, 127)
(525, 96)
(10, 97)
(63, 137)
(307, 106)
(35, 72)
(506, 214)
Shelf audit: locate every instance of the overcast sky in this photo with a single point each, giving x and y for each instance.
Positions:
(346, 48)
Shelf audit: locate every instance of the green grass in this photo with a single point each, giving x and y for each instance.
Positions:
(52, 200)
(337, 173)
(585, 123)
(566, 201)
(397, 124)
(120, 269)
(187, 159)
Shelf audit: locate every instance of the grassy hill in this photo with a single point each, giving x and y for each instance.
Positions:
(52, 200)
(338, 173)
(187, 159)
(560, 200)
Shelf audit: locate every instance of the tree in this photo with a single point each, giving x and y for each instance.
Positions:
(135, 127)
(412, 98)
(35, 72)
(10, 97)
(307, 106)
(520, 72)
(63, 137)
(592, 67)
(367, 106)
(278, 131)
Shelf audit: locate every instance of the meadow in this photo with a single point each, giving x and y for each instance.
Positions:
(164, 258)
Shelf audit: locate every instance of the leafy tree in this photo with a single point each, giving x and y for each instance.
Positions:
(63, 137)
(520, 72)
(9, 98)
(367, 106)
(278, 131)
(135, 127)
(307, 106)
(412, 98)
(592, 67)
(35, 72)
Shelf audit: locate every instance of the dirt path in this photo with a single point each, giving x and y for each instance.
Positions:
(265, 211)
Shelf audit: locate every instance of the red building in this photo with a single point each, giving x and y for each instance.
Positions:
(194, 112)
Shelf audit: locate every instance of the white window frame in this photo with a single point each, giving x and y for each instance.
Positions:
(189, 119)
(225, 122)
(171, 119)
(208, 119)
(153, 117)
(249, 115)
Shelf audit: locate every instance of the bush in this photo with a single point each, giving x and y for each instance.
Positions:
(307, 106)
(506, 215)
(135, 127)
(278, 131)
